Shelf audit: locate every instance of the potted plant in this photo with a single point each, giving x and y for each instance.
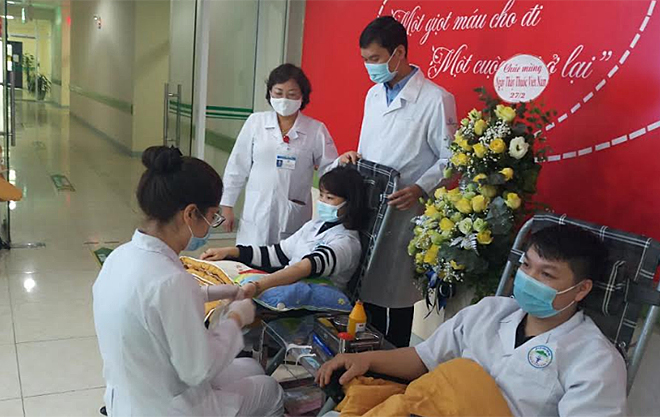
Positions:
(42, 87)
(28, 68)
(38, 84)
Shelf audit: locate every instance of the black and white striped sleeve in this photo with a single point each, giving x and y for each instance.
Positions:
(268, 258)
(324, 261)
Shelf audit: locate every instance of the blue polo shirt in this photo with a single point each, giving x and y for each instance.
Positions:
(392, 92)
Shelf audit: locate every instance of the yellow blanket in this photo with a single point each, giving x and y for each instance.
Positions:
(459, 387)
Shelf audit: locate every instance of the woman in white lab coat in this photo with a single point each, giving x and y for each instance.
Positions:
(158, 358)
(328, 247)
(274, 159)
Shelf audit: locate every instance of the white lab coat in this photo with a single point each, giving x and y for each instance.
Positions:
(584, 375)
(277, 199)
(158, 358)
(411, 135)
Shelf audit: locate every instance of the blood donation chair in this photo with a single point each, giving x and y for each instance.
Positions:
(618, 303)
(380, 182)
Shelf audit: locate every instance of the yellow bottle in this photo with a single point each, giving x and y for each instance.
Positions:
(357, 320)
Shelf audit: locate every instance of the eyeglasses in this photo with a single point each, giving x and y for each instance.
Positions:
(217, 219)
(291, 95)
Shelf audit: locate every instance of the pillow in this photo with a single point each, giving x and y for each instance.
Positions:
(314, 294)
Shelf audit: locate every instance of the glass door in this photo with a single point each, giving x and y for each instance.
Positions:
(7, 127)
(178, 92)
(232, 75)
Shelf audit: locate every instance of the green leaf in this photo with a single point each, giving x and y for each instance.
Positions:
(499, 217)
(519, 129)
(473, 263)
(530, 178)
(496, 179)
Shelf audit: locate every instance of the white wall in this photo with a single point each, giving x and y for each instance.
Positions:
(102, 63)
(150, 71)
(126, 62)
(270, 49)
(61, 54)
(56, 58)
(65, 54)
(295, 31)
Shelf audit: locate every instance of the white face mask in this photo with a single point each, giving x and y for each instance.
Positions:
(284, 106)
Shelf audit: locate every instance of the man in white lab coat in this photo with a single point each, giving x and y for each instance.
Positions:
(546, 356)
(408, 124)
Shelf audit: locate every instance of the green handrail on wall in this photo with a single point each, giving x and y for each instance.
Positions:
(115, 103)
(212, 112)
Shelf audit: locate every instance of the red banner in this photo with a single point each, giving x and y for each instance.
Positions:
(604, 64)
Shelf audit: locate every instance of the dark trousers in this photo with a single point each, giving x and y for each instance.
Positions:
(400, 326)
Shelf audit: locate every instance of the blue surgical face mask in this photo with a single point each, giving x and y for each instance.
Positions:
(536, 298)
(328, 212)
(197, 242)
(380, 73)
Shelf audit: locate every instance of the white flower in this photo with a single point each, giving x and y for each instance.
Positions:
(465, 226)
(518, 147)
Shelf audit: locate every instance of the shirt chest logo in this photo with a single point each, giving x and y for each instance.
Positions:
(540, 356)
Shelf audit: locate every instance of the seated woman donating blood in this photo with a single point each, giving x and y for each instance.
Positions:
(328, 247)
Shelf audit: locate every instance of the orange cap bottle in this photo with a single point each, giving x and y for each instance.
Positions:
(357, 320)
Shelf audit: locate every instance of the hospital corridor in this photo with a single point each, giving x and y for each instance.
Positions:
(224, 207)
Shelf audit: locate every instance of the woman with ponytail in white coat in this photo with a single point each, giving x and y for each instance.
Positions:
(158, 357)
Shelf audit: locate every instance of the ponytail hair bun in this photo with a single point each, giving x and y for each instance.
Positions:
(173, 181)
(162, 160)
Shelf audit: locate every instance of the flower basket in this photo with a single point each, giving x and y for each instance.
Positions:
(466, 232)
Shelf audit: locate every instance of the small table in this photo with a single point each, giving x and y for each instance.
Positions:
(291, 335)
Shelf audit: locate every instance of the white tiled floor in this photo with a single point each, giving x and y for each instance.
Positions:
(81, 403)
(49, 360)
(10, 386)
(48, 351)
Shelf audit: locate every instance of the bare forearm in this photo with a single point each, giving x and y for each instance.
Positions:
(399, 363)
(286, 276)
(219, 292)
(234, 252)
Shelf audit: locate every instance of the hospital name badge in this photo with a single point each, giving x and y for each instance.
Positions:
(540, 356)
(286, 162)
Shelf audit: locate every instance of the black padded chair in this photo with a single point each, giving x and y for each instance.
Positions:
(618, 303)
